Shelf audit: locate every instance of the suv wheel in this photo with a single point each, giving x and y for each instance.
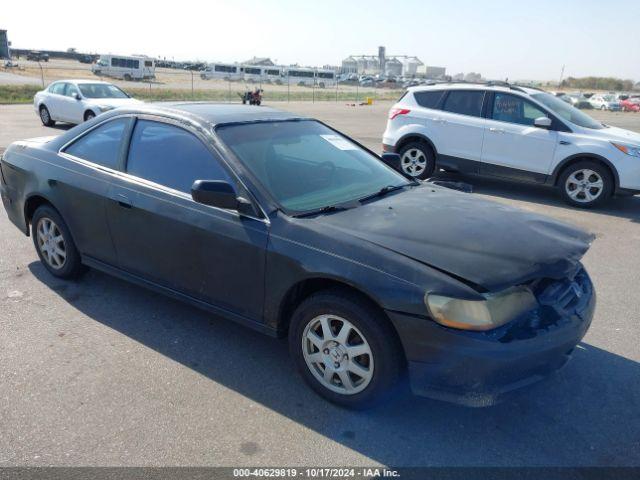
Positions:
(345, 349)
(417, 160)
(586, 184)
(89, 115)
(54, 244)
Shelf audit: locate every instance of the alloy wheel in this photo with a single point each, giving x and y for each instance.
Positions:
(584, 185)
(51, 243)
(414, 162)
(337, 354)
(44, 116)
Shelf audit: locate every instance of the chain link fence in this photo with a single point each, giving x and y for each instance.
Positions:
(19, 83)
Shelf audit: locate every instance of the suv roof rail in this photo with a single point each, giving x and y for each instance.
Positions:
(495, 83)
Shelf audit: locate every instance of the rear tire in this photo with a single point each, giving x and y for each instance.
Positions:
(356, 369)
(127, 77)
(54, 244)
(586, 184)
(45, 117)
(417, 160)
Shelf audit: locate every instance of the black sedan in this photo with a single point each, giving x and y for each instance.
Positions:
(287, 226)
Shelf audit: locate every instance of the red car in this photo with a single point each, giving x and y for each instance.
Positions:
(630, 105)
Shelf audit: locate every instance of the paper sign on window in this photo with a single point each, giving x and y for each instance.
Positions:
(339, 142)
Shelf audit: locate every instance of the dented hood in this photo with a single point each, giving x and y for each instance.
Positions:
(489, 244)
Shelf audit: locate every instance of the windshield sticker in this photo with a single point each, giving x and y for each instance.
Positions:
(339, 142)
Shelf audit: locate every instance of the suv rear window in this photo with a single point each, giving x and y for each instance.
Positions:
(465, 102)
(429, 99)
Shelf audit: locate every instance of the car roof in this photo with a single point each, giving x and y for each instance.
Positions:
(474, 86)
(81, 80)
(217, 113)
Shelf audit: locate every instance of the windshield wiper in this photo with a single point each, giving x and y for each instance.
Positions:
(384, 190)
(322, 210)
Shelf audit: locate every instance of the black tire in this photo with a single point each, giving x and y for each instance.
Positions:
(423, 150)
(386, 351)
(45, 117)
(579, 200)
(127, 77)
(89, 115)
(72, 266)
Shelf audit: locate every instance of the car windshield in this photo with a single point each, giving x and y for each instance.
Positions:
(567, 112)
(609, 98)
(101, 90)
(305, 165)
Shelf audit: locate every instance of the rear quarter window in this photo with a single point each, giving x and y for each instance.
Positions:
(430, 99)
(101, 145)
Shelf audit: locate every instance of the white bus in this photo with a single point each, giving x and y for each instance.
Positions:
(300, 76)
(272, 74)
(256, 73)
(251, 73)
(125, 68)
(325, 78)
(225, 71)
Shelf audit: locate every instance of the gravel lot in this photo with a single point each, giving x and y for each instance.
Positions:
(100, 372)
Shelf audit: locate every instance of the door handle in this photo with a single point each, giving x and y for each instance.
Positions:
(496, 130)
(439, 120)
(123, 200)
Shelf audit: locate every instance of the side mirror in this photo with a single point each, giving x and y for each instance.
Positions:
(77, 96)
(221, 194)
(542, 122)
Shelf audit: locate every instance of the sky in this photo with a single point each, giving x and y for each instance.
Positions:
(517, 40)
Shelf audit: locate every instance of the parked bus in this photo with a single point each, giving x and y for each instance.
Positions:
(300, 76)
(251, 73)
(272, 74)
(325, 78)
(125, 68)
(225, 71)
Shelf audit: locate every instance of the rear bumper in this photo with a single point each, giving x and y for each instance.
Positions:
(386, 148)
(482, 368)
(13, 207)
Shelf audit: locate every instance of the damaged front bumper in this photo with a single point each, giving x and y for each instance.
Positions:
(480, 368)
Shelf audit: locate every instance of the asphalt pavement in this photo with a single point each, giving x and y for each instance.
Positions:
(100, 372)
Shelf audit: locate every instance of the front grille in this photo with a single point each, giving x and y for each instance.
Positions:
(566, 296)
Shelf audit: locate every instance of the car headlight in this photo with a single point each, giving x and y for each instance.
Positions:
(628, 149)
(495, 310)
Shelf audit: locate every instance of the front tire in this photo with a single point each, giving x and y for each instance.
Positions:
(54, 244)
(417, 160)
(345, 349)
(586, 184)
(89, 115)
(45, 117)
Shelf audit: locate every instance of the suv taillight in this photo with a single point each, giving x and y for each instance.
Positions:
(394, 112)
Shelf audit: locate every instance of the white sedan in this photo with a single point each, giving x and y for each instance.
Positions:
(76, 101)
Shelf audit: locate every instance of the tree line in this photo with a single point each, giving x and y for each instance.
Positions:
(599, 83)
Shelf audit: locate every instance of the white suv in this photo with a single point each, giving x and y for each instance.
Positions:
(513, 132)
